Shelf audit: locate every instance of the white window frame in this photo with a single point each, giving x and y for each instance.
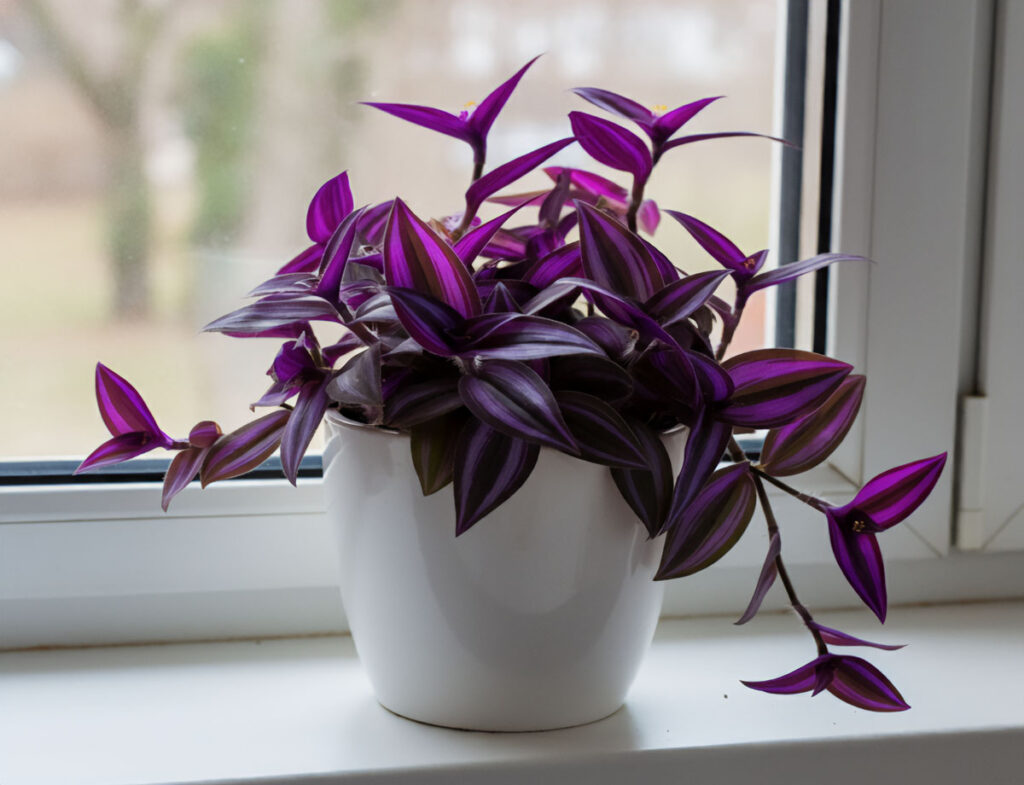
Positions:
(100, 564)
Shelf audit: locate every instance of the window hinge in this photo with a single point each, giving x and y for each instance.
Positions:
(970, 518)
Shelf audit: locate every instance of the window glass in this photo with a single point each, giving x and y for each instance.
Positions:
(158, 158)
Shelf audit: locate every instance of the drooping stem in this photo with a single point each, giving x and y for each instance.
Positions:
(806, 498)
(773, 530)
(636, 199)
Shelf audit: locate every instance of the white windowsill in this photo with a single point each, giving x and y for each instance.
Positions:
(301, 711)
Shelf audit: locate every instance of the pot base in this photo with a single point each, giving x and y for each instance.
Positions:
(539, 727)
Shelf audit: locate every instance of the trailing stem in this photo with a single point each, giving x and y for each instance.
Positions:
(806, 498)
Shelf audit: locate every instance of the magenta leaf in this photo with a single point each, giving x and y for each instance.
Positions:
(711, 524)
(775, 386)
(618, 105)
(802, 679)
(861, 684)
(594, 186)
(428, 321)
(769, 571)
(301, 426)
(612, 145)
(838, 638)
(722, 249)
(860, 559)
(245, 448)
(647, 491)
(500, 300)
(336, 256)
(718, 135)
(329, 207)
(489, 467)
(508, 173)
(276, 311)
(894, 494)
(601, 433)
(473, 242)
(805, 443)
(670, 122)
(180, 473)
(704, 448)
(306, 262)
(433, 445)
(123, 410)
(790, 272)
(512, 398)
(648, 216)
(427, 117)
(204, 434)
(680, 299)
(524, 337)
(416, 258)
(614, 257)
(483, 116)
(413, 404)
(563, 262)
(119, 448)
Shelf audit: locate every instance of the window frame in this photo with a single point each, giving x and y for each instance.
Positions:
(86, 563)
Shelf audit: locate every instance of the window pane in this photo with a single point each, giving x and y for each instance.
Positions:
(159, 157)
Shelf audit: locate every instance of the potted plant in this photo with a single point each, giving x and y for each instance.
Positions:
(559, 391)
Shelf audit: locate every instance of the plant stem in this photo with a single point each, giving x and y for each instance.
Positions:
(730, 331)
(635, 200)
(806, 498)
(478, 168)
(773, 530)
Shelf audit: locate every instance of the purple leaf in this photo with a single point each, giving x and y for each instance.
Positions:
(433, 447)
(413, 404)
(347, 343)
(774, 386)
(805, 443)
(428, 321)
(484, 115)
(302, 424)
(489, 467)
(612, 145)
(358, 384)
(838, 638)
(275, 312)
(704, 448)
(721, 248)
(244, 449)
(123, 410)
(893, 495)
(647, 491)
(601, 433)
(512, 398)
(336, 256)
(506, 174)
(562, 262)
(715, 383)
(293, 360)
(670, 122)
(331, 204)
(616, 340)
(373, 222)
(428, 117)
(802, 679)
(416, 258)
(861, 684)
(180, 473)
(860, 559)
(524, 337)
(711, 524)
(590, 374)
(286, 283)
(551, 208)
(669, 272)
(681, 298)
(616, 258)
(306, 262)
(204, 434)
(500, 300)
(613, 194)
(288, 330)
(790, 272)
(472, 243)
(618, 105)
(769, 571)
(719, 135)
(649, 216)
(119, 448)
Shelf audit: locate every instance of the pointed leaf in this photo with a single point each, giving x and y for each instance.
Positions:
(769, 571)
(861, 684)
(274, 312)
(616, 258)
(484, 115)
(805, 443)
(893, 495)
(711, 524)
(611, 193)
(473, 242)
(612, 145)
(508, 173)
(416, 258)
(790, 272)
(286, 283)
(670, 122)
(489, 467)
(680, 299)
(305, 418)
(721, 248)
(244, 449)
(704, 449)
(331, 204)
(122, 408)
(180, 473)
(433, 446)
(204, 434)
(647, 491)
(775, 386)
(562, 262)
(336, 256)
(601, 433)
(358, 383)
(616, 340)
(306, 262)
(618, 105)
(860, 559)
(120, 448)
(428, 321)
(803, 679)
(838, 638)
(512, 398)
(648, 216)
(590, 374)
(719, 135)
(427, 117)
(524, 337)
(412, 404)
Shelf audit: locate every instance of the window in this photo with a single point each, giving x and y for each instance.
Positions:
(100, 563)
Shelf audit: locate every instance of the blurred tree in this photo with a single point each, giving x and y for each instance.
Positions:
(115, 96)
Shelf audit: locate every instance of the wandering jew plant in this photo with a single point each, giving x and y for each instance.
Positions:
(488, 340)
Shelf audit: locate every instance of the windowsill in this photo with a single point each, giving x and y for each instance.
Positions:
(301, 709)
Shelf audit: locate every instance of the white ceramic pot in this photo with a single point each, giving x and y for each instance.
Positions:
(538, 617)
